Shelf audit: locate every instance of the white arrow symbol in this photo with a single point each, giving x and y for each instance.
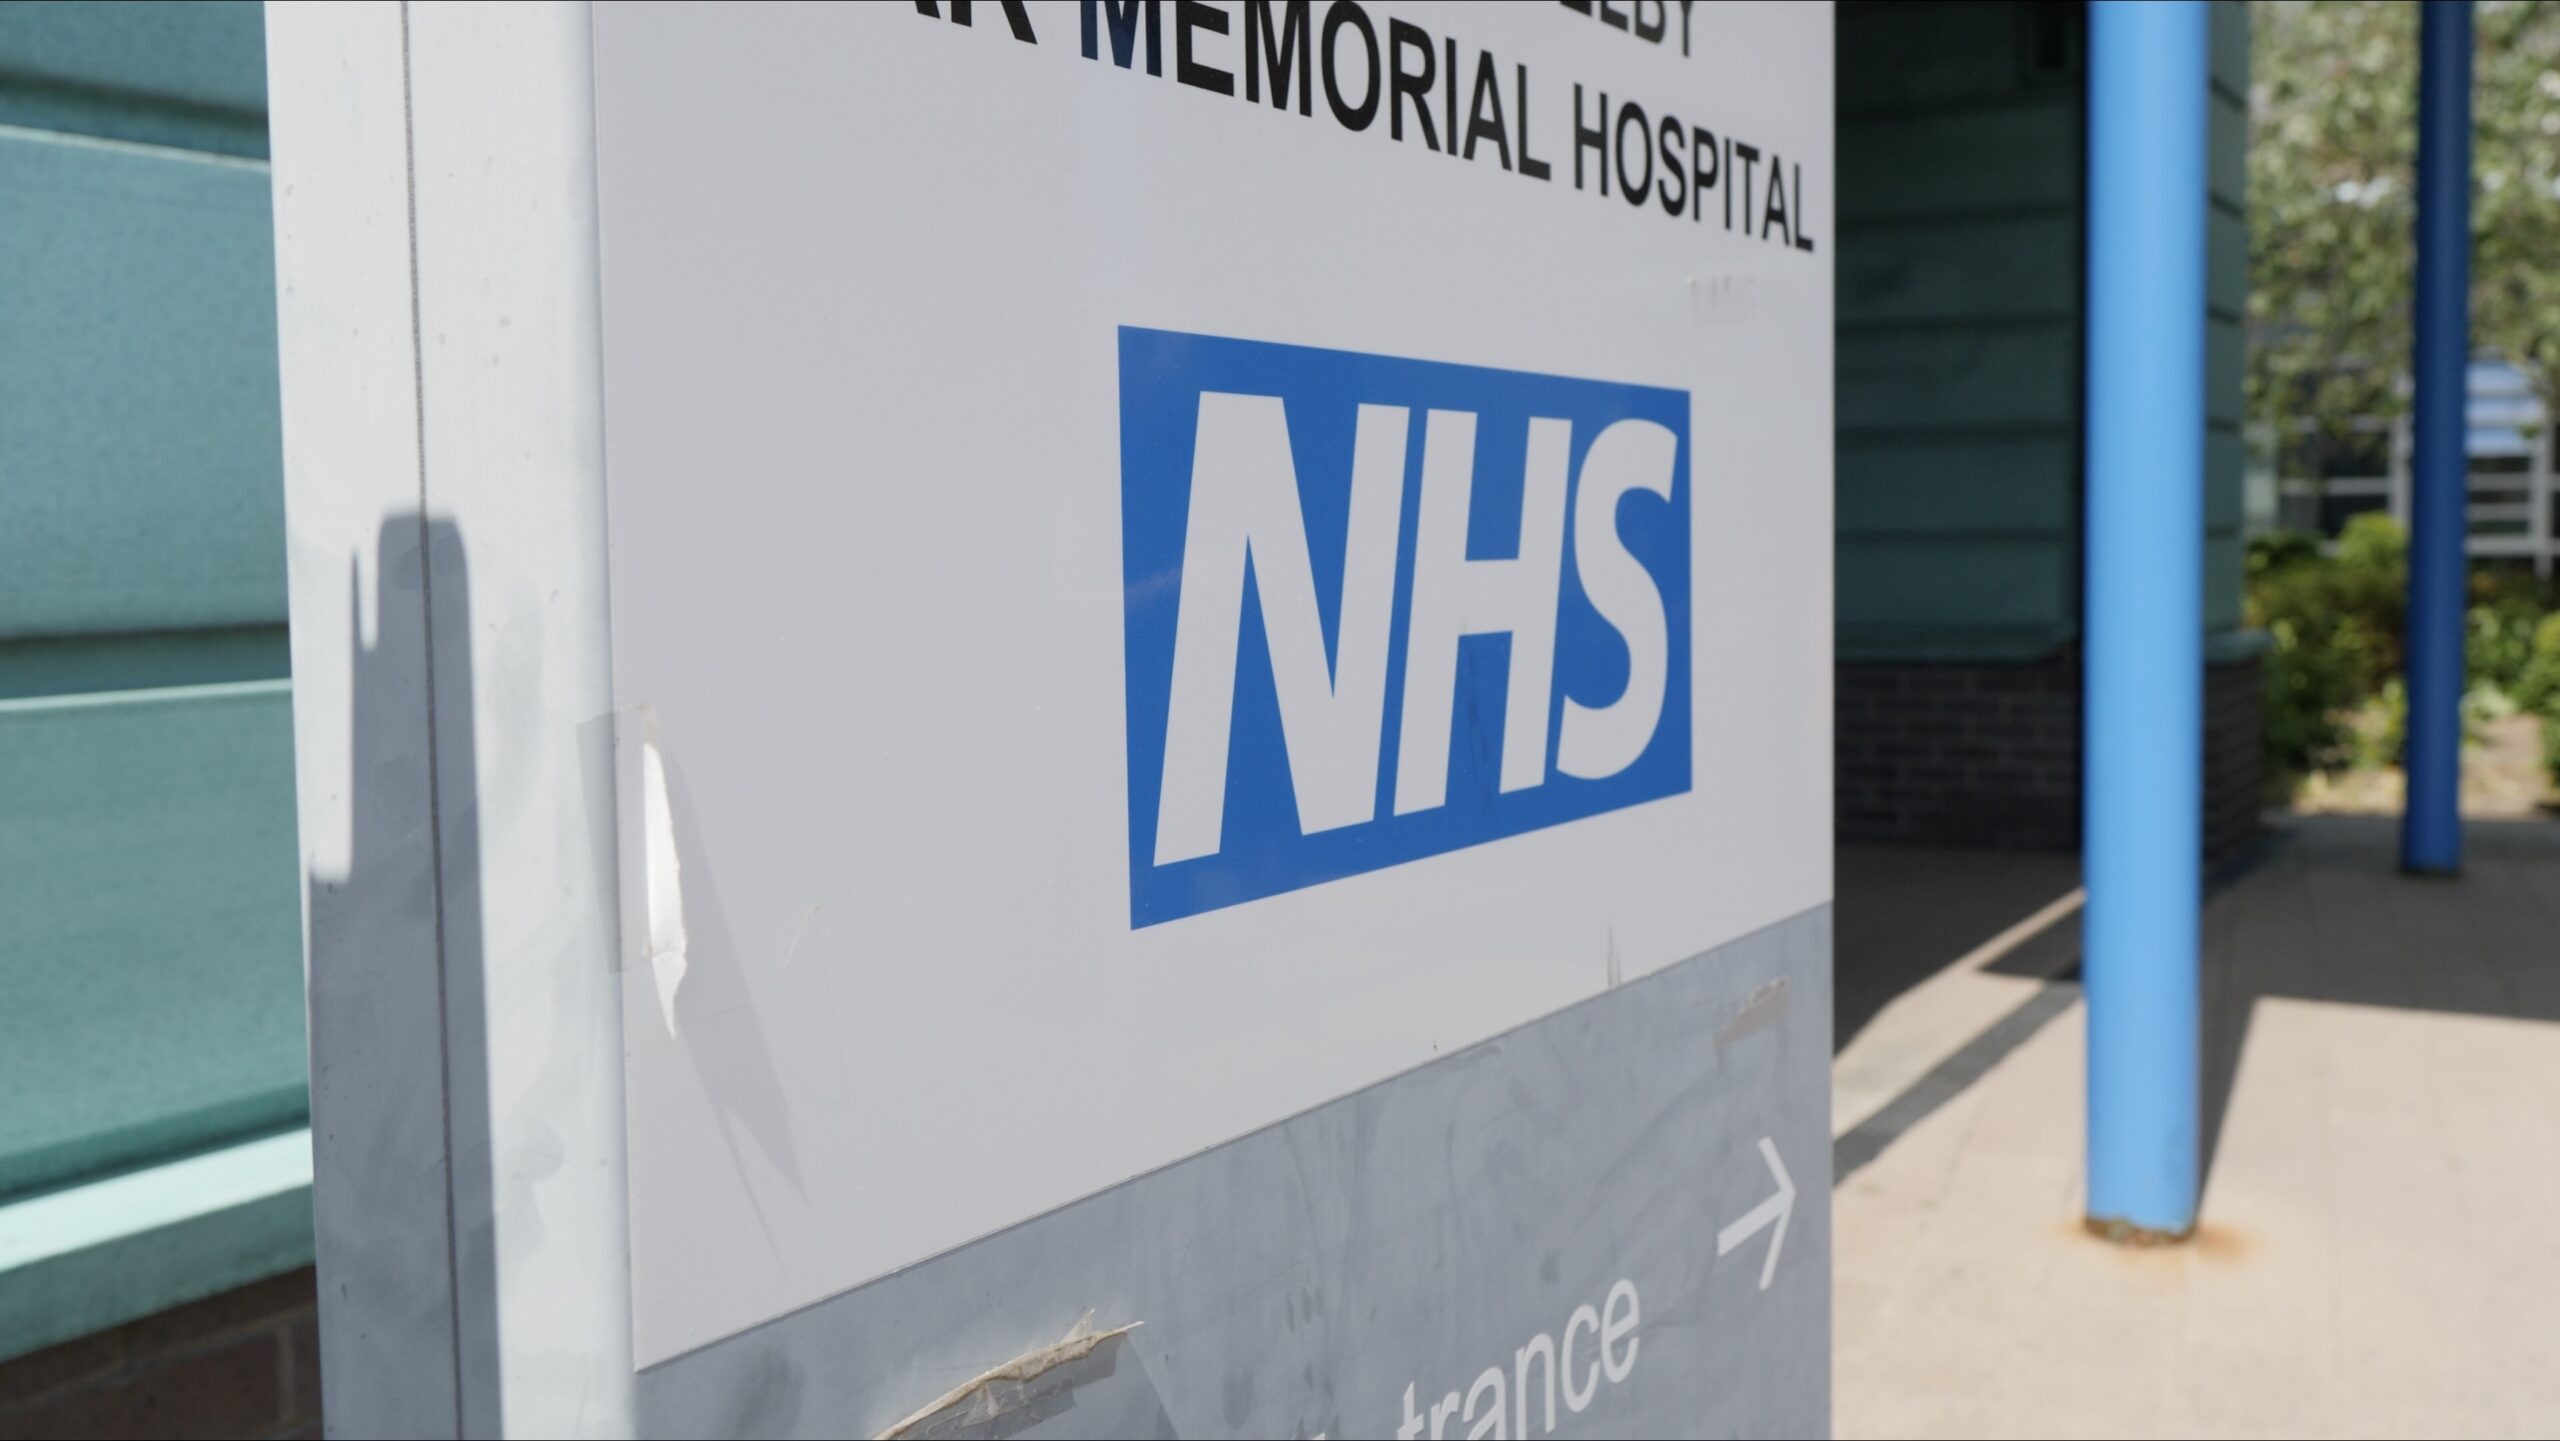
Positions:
(1771, 1212)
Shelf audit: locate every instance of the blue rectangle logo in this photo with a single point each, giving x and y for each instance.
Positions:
(1378, 609)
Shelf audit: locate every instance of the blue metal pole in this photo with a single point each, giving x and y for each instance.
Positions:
(2142, 812)
(2440, 481)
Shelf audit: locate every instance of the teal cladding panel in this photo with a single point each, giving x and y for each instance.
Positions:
(1909, 53)
(141, 479)
(150, 970)
(2225, 558)
(190, 75)
(1962, 163)
(1928, 486)
(2224, 355)
(2227, 151)
(1958, 364)
(2227, 303)
(2231, 46)
(1960, 269)
(153, 960)
(209, 53)
(1970, 597)
(2225, 457)
(2226, 263)
(2008, 267)
(73, 664)
(1968, 378)
(185, 1237)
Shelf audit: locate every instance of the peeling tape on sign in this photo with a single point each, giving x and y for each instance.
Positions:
(977, 1404)
(658, 929)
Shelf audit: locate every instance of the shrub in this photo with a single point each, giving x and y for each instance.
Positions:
(2334, 693)
(2537, 686)
(2311, 684)
(2369, 586)
(2335, 623)
(2498, 640)
(2380, 731)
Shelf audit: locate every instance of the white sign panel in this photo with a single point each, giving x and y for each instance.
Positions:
(1172, 562)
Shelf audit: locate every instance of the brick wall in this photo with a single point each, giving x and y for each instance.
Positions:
(1983, 754)
(244, 1363)
(1960, 754)
(2235, 756)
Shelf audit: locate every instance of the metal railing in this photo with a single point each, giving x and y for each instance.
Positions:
(2512, 511)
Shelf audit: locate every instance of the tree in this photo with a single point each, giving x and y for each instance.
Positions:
(2515, 210)
(2332, 144)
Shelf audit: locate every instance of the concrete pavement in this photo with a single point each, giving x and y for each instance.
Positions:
(2380, 1250)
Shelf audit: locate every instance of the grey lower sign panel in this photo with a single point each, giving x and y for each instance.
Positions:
(1612, 1221)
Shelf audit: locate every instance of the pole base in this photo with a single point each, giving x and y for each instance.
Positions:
(2125, 1233)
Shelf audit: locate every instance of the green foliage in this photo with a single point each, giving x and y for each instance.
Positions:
(2309, 687)
(2333, 141)
(2378, 731)
(2499, 637)
(2335, 623)
(2381, 730)
(2333, 136)
(2515, 210)
(2537, 686)
(2332, 120)
(2376, 544)
(2334, 693)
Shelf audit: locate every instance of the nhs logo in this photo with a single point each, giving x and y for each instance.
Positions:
(1378, 609)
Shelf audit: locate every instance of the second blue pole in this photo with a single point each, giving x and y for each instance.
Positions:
(2440, 478)
(2142, 761)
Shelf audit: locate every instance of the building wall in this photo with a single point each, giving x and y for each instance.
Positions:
(1981, 753)
(2226, 312)
(1959, 329)
(148, 862)
(1962, 141)
(1967, 753)
(243, 1363)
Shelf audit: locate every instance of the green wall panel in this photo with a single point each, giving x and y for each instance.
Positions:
(2227, 299)
(2225, 462)
(1923, 487)
(1910, 53)
(2230, 60)
(2225, 557)
(1958, 597)
(2226, 263)
(2227, 150)
(2008, 267)
(1960, 276)
(2024, 155)
(2224, 355)
(150, 969)
(153, 960)
(1958, 344)
(192, 75)
(1970, 378)
(86, 1257)
(72, 664)
(141, 481)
